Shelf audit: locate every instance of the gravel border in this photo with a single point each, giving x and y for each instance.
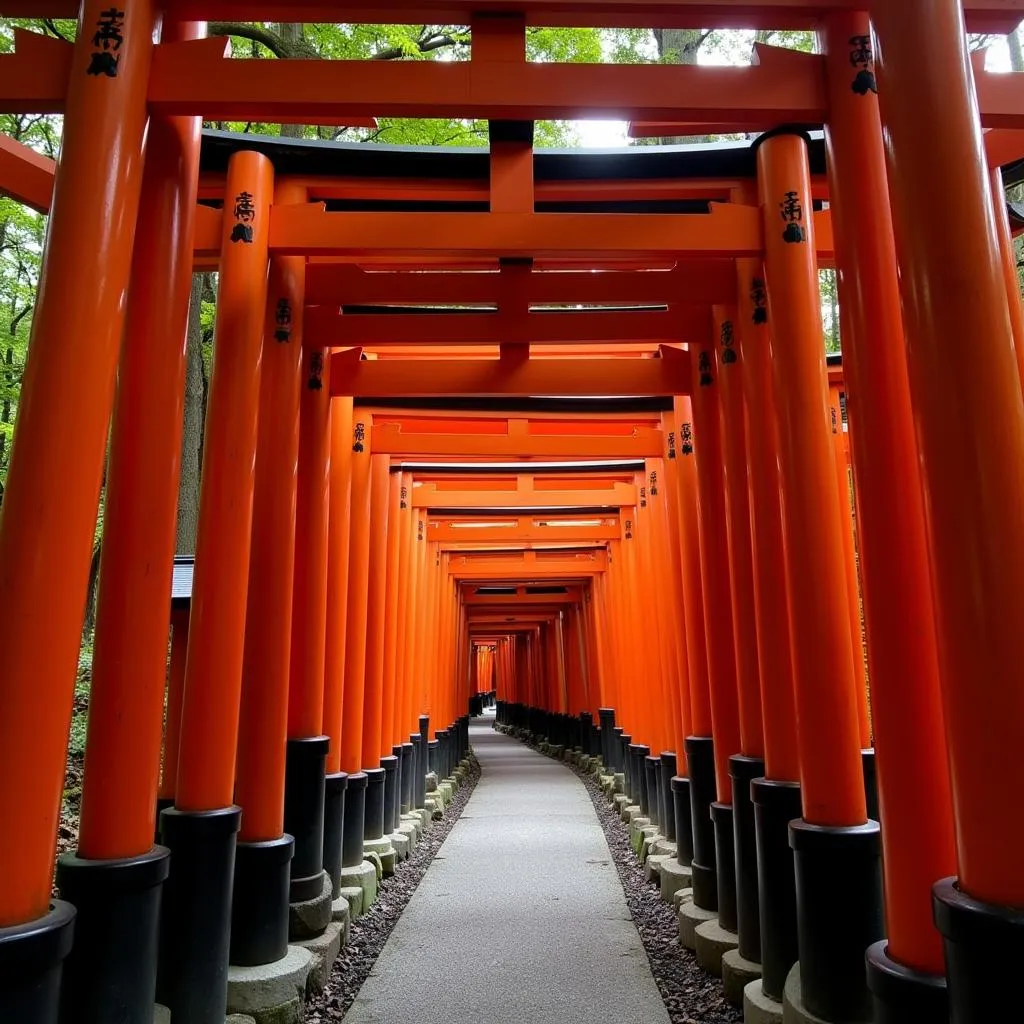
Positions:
(369, 934)
(691, 995)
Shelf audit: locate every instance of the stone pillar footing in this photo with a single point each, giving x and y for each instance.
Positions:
(309, 918)
(737, 974)
(759, 1008)
(712, 942)
(272, 992)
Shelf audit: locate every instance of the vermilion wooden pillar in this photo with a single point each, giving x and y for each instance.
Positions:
(200, 829)
(969, 420)
(114, 880)
(175, 695)
(307, 744)
(259, 931)
(337, 810)
(850, 581)
(917, 828)
(376, 767)
(709, 870)
(777, 796)
(353, 756)
(748, 763)
(389, 739)
(834, 918)
(694, 788)
(54, 480)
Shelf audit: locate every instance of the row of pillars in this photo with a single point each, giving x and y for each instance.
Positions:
(320, 646)
(746, 666)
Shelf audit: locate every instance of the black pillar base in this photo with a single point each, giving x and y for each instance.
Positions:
(434, 758)
(259, 904)
(776, 804)
(423, 762)
(725, 860)
(652, 778)
(373, 826)
(904, 996)
(110, 973)
(334, 818)
(684, 820)
(743, 771)
(353, 823)
(618, 743)
(195, 919)
(626, 759)
(31, 958)
(640, 753)
(870, 783)
(417, 771)
(390, 766)
(839, 914)
(408, 767)
(606, 719)
(586, 733)
(667, 763)
(304, 813)
(700, 753)
(162, 804)
(984, 945)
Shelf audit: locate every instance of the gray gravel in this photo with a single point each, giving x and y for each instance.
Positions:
(691, 995)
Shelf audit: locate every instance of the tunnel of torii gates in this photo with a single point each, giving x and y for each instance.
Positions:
(410, 496)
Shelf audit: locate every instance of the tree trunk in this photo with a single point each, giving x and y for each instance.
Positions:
(679, 46)
(292, 36)
(1016, 52)
(192, 435)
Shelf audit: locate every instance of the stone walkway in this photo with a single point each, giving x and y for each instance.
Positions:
(521, 918)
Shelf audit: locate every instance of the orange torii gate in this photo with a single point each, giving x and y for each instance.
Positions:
(942, 601)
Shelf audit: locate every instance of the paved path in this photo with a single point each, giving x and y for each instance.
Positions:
(521, 917)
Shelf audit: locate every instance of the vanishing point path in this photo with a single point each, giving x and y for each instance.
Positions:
(521, 917)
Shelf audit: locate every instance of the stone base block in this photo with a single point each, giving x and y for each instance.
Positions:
(411, 833)
(652, 868)
(713, 942)
(384, 850)
(651, 835)
(365, 877)
(231, 1018)
(342, 914)
(422, 815)
(621, 801)
(416, 821)
(627, 810)
(162, 1015)
(272, 993)
(759, 1008)
(690, 917)
(325, 949)
(681, 896)
(793, 1009)
(665, 847)
(353, 897)
(400, 843)
(431, 781)
(309, 918)
(673, 877)
(737, 974)
(447, 791)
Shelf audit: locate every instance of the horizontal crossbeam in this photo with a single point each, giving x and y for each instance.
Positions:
(708, 282)
(582, 378)
(325, 326)
(982, 15)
